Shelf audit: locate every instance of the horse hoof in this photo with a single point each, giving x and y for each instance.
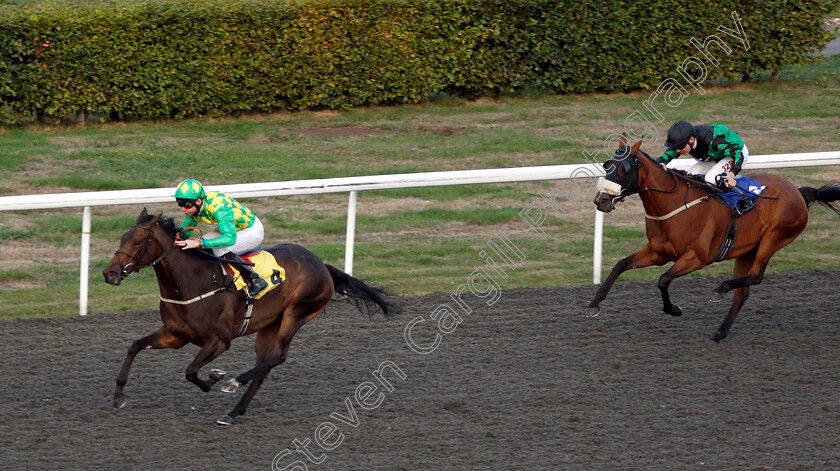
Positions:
(119, 402)
(716, 298)
(225, 420)
(677, 312)
(718, 337)
(231, 386)
(217, 374)
(592, 312)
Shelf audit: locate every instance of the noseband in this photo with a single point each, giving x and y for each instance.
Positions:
(135, 265)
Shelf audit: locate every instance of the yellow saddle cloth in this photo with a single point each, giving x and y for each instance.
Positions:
(266, 266)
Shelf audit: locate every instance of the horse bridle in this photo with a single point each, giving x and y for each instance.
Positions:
(625, 192)
(136, 264)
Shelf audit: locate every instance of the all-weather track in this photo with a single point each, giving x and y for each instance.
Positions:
(527, 383)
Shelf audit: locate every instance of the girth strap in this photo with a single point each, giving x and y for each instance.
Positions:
(727, 240)
(249, 310)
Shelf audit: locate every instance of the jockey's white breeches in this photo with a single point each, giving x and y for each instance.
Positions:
(246, 239)
(712, 169)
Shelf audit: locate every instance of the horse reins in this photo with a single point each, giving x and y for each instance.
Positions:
(685, 205)
(139, 254)
(625, 193)
(124, 268)
(676, 186)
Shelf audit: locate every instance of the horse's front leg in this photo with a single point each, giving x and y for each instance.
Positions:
(643, 257)
(211, 349)
(160, 339)
(686, 264)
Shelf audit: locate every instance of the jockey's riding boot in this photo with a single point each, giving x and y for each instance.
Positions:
(255, 282)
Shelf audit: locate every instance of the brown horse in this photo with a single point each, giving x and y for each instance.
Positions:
(691, 237)
(198, 305)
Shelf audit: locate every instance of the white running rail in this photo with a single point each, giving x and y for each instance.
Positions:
(353, 185)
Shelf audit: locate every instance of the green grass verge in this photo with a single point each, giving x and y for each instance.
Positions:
(412, 240)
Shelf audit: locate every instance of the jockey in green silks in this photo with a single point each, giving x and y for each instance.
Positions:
(238, 229)
(720, 152)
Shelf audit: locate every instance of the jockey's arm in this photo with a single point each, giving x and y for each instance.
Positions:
(188, 221)
(727, 143)
(736, 154)
(227, 228)
(668, 156)
(733, 151)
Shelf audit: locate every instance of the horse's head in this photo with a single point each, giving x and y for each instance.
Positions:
(138, 249)
(622, 178)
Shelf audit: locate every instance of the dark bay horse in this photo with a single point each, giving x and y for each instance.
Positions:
(212, 321)
(692, 236)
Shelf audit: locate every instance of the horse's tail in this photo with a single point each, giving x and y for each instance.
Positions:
(827, 195)
(367, 299)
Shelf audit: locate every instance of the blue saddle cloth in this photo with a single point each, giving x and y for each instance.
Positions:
(745, 189)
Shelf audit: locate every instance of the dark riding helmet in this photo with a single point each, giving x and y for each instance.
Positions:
(679, 134)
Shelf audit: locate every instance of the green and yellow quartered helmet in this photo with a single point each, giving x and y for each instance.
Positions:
(189, 190)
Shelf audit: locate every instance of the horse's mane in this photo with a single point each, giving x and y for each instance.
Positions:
(652, 160)
(172, 229)
(684, 175)
(626, 149)
(165, 222)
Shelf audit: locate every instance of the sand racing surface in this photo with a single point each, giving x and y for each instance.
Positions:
(527, 383)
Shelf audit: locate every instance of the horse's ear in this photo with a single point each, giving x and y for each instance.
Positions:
(143, 214)
(636, 147)
(622, 141)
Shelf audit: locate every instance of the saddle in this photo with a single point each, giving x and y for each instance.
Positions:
(263, 263)
(740, 199)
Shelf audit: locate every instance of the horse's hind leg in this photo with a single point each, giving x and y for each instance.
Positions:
(742, 267)
(683, 266)
(160, 339)
(750, 272)
(741, 295)
(208, 352)
(761, 256)
(271, 348)
(748, 279)
(272, 345)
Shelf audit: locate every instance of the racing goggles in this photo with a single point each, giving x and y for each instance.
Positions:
(185, 203)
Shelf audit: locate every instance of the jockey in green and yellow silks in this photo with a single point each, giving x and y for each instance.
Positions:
(238, 228)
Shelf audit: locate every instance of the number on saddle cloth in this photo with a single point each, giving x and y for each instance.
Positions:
(265, 265)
